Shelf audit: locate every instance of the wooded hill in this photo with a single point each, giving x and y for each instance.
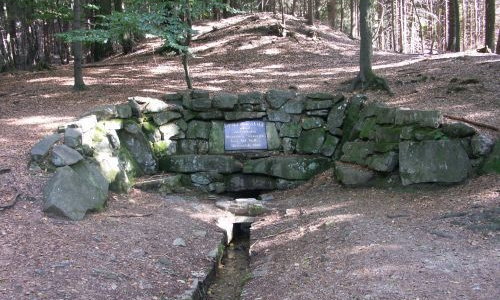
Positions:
(36, 34)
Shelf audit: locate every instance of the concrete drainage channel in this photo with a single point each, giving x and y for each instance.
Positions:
(230, 270)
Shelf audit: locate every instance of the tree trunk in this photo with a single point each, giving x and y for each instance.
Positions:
(366, 77)
(294, 4)
(332, 13)
(453, 26)
(498, 43)
(393, 26)
(456, 24)
(489, 24)
(310, 12)
(351, 29)
(77, 48)
(342, 15)
(187, 43)
(317, 5)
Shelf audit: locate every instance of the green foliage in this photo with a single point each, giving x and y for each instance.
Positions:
(162, 18)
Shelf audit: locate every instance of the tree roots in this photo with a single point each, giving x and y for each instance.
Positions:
(372, 82)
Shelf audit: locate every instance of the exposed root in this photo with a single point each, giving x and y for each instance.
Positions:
(373, 82)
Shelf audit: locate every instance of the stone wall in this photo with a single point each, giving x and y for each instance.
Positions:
(183, 134)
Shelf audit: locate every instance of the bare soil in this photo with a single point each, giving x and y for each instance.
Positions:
(324, 241)
(336, 243)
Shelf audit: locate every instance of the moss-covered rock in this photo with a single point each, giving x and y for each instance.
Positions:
(442, 161)
(276, 98)
(250, 98)
(385, 162)
(278, 116)
(200, 163)
(198, 130)
(225, 101)
(423, 118)
(353, 175)
(311, 141)
(273, 139)
(216, 139)
(312, 122)
(294, 106)
(458, 130)
(357, 152)
(387, 134)
(311, 104)
(247, 182)
(243, 115)
(292, 130)
(165, 117)
(329, 145)
(192, 146)
(492, 162)
(290, 167)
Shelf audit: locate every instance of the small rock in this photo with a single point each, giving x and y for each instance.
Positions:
(164, 261)
(42, 147)
(63, 155)
(266, 197)
(200, 233)
(481, 145)
(73, 137)
(179, 242)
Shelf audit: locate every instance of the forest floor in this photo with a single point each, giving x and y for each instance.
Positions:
(321, 241)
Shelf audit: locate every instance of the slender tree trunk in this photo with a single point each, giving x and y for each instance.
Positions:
(457, 25)
(187, 43)
(351, 29)
(294, 4)
(332, 13)
(498, 43)
(77, 48)
(310, 12)
(489, 22)
(365, 51)
(366, 77)
(342, 15)
(393, 26)
(317, 5)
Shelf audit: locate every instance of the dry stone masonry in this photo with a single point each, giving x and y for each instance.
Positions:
(252, 142)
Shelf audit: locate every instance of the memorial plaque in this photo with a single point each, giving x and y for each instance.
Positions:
(246, 135)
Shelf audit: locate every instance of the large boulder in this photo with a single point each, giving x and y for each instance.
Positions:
(200, 163)
(443, 161)
(74, 190)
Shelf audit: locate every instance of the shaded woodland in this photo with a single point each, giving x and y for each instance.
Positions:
(36, 34)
